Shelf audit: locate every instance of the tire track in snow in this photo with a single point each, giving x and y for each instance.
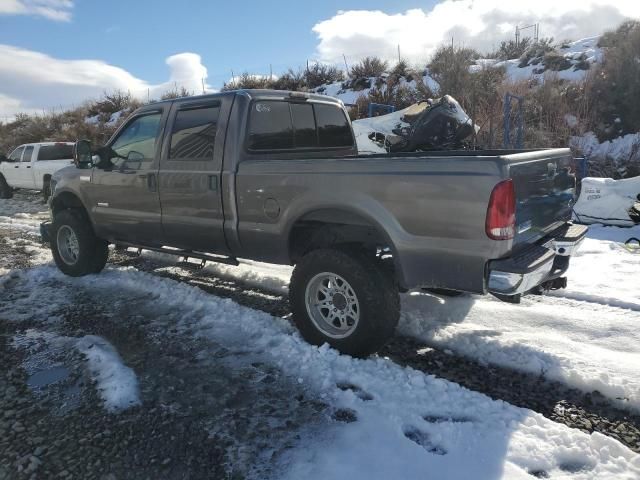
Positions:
(589, 412)
(577, 299)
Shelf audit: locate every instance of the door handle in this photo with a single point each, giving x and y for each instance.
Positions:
(213, 183)
(16, 166)
(28, 166)
(151, 181)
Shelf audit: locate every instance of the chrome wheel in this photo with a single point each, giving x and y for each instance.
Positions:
(68, 245)
(332, 305)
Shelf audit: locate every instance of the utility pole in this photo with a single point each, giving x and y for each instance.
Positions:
(536, 32)
(270, 72)
(346, 65)
(203, 90)
(233, 77)
(399, 58)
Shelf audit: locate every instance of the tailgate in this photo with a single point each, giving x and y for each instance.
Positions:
(545, 188)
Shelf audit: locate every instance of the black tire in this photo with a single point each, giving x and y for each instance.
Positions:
(374, 287)
(92, 252)
(46, 189)
(6, 191)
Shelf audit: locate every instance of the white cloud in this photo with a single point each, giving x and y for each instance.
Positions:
(35, 81)
(481, 24)
(58, 10)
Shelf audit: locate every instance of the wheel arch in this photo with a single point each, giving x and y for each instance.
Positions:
(326, 227)
(68, 200)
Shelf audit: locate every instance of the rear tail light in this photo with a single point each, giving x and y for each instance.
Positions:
(501, 214)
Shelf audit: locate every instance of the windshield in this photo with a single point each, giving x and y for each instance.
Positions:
(59, 151)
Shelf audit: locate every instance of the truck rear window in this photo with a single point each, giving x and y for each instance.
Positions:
(280, 125)
(56, 152)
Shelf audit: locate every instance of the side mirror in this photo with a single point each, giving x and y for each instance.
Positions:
(82, 156)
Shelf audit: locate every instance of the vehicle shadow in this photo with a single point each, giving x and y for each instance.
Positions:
(431, 435)
(433, 313)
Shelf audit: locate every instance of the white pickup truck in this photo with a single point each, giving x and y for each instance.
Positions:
(31, 165)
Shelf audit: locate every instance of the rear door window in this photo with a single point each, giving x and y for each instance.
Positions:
(16, 154)
(28, 153)
(270, 126)
(333, 126)
(194, 133)
(60, 151)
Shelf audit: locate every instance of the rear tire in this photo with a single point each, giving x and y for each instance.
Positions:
(76, 250)
(6, 191)
(344, 299)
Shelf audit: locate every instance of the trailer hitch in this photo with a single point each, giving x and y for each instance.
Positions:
(549, 285)
(555, 284)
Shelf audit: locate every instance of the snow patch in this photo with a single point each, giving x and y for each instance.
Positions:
(585, 336)
(116, 383)
(394, 435)
(624, 148)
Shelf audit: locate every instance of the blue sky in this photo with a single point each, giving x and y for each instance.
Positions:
(138, 35)
(57, 54)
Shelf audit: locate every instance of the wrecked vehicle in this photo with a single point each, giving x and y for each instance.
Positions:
(439, 124)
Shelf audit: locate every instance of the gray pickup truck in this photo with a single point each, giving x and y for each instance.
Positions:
(276, 177)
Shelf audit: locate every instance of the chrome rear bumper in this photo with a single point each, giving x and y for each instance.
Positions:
(537, 264)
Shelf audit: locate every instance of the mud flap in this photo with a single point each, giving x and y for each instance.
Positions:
(45, 232)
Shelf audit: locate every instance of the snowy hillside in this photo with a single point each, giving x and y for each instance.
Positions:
(578, 56)
(349, 95)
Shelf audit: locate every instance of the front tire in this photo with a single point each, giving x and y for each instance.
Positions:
(344, 299)
(76, 250)
(6, 191)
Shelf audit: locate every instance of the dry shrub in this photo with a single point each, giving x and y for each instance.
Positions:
(176, 93)
(291, 80)
(369, 67)
(617, 82)
(249, 81)
(320, 74)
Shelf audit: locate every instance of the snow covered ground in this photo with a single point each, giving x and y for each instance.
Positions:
(408, 424)
(586, 336)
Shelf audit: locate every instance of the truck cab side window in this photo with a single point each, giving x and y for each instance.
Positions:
(137, 142)
(55, 152)
(333, 126)
(194, 133)
(16, 154)
(270, 126)
(28, 152)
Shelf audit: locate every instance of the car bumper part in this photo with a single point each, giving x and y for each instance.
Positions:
(536, 265)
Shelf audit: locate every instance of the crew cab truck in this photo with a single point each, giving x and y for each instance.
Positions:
(276, 177)
(31, 165)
